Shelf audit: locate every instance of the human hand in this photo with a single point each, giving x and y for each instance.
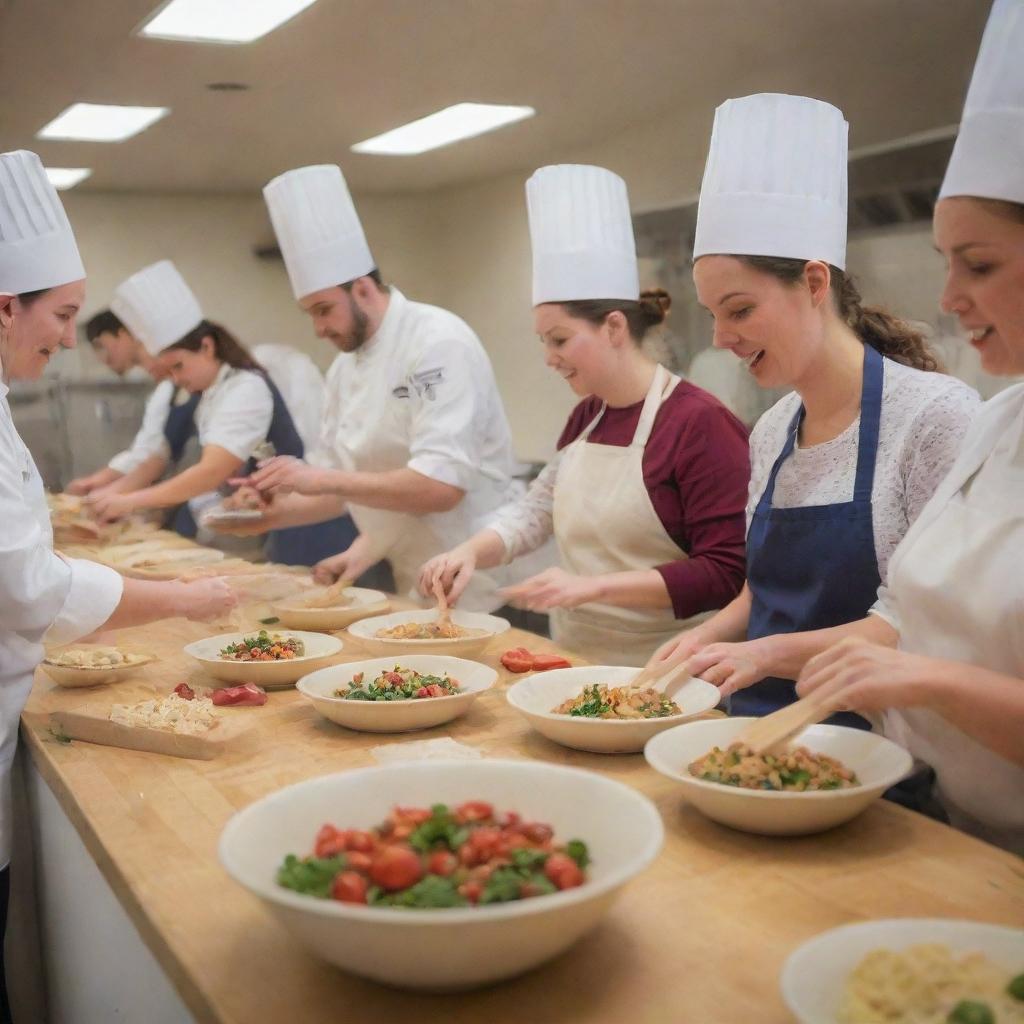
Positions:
(350, 564)
(553, 588)
(207, 599)
(107, 506)
(452, 570)
(285, 474)
(731, 666)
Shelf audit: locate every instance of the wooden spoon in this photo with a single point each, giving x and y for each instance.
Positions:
(773, 731)
(444, 613)
(333, 596)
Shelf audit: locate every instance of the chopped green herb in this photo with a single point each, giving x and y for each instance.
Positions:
(272, 621)
(312, 875)
(577, 849)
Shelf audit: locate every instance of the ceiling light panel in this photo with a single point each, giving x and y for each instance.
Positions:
(221, 21)
(453, 124)
(67, 177)
(101, 122)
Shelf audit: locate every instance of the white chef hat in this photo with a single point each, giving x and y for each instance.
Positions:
(317, 228)
(37, 245)
(582, 235)
(775, 180)
(157, 306)
(988, 156)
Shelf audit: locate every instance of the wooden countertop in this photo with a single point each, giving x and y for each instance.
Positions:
(699, 937)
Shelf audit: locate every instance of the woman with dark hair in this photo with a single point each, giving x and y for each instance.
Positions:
(645, 496)
(843, 465)
(239, 410)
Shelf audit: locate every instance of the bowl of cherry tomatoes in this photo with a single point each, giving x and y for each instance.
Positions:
(438, 877)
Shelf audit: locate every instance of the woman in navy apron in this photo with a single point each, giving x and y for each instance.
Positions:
(237, 408)
(841, 466)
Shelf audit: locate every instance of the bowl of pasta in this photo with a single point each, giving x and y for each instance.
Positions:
(319, 610)
(594, 707)
(828, 775)
(420, 631)
(92, 665)
(908, 971)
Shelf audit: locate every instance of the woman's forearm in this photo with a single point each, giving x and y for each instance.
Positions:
(207, 475)
(487, 548)
(641, 588)
(787, 653)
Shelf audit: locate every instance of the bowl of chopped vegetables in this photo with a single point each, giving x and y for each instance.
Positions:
(435, 876)
(594, 707)
(397, 694)
(826, 776)
(267, 657)
(419, 631)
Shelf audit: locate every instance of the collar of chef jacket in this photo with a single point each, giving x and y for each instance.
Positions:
(382, 339)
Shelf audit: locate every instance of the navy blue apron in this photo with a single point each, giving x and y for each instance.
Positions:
(300, 545)
(814, 567)
(178, 428)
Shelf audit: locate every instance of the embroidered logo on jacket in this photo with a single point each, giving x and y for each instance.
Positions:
(423, 383)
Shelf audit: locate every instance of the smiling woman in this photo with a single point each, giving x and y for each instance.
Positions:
(39, 323)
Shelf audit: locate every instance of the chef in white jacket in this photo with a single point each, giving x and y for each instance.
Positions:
(953, 691)
(415, 442)
(44, 596)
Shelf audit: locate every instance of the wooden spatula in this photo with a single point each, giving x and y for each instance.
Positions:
(332, 597)
(775, 730)
(444, 613)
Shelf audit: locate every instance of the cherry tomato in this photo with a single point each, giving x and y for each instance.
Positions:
(473, 810)
(563, 871)
(417, 815)
(358, 861)
(329, 841)
(396, 867)
(349, 887)
(536, 832)
(471, 891)
(360, 841)
(442, 862)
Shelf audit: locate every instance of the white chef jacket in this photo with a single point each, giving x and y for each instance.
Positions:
(150, 440)
(421, 394)
(41, 594)
(301, 385)
(955, 590)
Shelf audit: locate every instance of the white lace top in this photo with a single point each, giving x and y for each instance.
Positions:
(924, 419)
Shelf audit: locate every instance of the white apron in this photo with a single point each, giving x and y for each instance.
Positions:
(604, 522)
(958, 583)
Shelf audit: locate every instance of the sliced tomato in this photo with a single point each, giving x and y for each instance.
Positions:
(349, 887)
(544, 662)
(519, 659)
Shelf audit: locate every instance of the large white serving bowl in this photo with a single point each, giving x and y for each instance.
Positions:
(361, 604)
(535, 697)
(815, 974)
(365, 631)
(456, 948)
(268, 674)
(878, 763)
(397, 715)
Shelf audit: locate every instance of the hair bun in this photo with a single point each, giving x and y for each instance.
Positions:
(656, 302)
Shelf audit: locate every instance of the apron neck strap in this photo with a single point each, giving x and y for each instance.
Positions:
(867, 438)
(661, 387)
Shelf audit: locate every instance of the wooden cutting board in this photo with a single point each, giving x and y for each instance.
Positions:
(94, 726)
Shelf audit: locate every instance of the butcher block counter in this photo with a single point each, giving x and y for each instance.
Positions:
(699, 937)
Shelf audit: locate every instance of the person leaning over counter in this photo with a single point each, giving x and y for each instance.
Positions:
(415, 442)
(645, 496)
(239, 408)
(44, 596)
(844, 464)
(167, 422)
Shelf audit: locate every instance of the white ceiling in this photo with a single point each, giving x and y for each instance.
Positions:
(344, 70)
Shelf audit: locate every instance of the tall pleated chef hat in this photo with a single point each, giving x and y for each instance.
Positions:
(37, 246)
(582, 235)
(988, 156)
(775, 180)
(157, 306)
(317, 227)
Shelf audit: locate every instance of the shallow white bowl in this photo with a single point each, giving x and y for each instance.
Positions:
(363, 604)
(365, 629)
(457, 948)
(268, 674)
(535, 697)
(815, 974)
(879, 763)
(73, 676)
(399, 715)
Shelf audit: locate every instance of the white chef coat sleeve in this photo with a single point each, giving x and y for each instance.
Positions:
(526, 524)
(150, 439)
(37, 587)
(449, 391)
(239, 415)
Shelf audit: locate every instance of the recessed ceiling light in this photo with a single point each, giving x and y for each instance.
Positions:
(101, 122)
(221, 21)
(462, 121)
(67, 177)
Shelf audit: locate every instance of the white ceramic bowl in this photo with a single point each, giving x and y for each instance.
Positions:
(879, 763)
(467, 647)
(73, 676)
(457, 948)
(815, 973)
(268, 674)
(535, 697)
(399, 715)
(362, 603)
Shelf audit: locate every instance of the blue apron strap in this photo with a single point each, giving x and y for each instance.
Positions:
(870, 418)
(768, 494)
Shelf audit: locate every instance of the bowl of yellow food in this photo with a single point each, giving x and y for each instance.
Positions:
(595, 708)
(825, 777)
(908, 971)
(313, 610)
(92, 665)
(465, 635)
(270, 658)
